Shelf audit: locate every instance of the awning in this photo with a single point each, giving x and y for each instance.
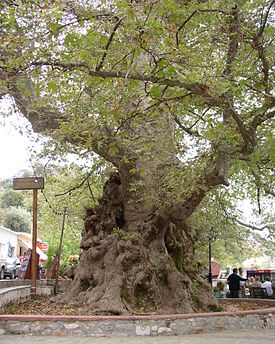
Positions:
(42, 255)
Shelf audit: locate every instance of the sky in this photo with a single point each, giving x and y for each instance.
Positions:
(13, 151)
(14, 146)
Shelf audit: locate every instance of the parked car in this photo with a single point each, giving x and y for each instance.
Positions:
(13, 268)
(3, 267)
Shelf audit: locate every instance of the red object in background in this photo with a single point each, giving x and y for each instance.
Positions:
(20, 258)
(262, 274)
(44, 246)
(216, 269)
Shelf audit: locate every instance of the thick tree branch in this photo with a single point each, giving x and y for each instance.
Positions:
(196, 88)
(229, 111)
(217, 174)
(248, 135)
(42, 118)
(258, 120)
(234, 32)
(45, 118)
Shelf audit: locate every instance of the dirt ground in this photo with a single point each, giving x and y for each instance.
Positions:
(44, 305)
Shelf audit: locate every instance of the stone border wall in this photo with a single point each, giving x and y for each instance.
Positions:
(100, 326)
(20, 294)
(8, 283)
(16, 291)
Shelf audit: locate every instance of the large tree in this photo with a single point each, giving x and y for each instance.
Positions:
(176, 96)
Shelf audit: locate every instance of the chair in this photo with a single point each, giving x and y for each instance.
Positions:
(258, 293)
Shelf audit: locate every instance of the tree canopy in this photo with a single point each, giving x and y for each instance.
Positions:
(106, 76)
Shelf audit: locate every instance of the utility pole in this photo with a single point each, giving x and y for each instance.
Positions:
(211, 238)
(59, 252)
(210, 280)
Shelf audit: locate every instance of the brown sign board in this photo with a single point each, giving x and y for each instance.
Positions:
(28, 183)
(25, 270)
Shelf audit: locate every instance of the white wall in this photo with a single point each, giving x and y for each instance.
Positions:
(7, 238)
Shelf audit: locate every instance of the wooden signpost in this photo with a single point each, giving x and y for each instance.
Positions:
(31, 183)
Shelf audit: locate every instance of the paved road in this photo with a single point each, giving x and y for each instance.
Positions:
(239, 337)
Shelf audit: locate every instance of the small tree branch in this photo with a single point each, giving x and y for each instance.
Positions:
(187, 130)
(258, 45)
(91, 191)
(264, 21)
(260, 185)
(78, 186)
(259, 200)
(270, 226)
(182, 25)
(190, 17)
(100, 65)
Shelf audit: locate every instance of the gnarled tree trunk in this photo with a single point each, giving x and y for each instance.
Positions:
(146, 270)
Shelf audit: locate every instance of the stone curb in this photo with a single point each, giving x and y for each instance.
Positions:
(137, 325)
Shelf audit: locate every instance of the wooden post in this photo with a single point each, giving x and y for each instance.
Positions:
(31, 183)
(34, 240)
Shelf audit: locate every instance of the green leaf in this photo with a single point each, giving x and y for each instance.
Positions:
(272, 155)
(52, 87)
(54, 28)
(70, 39)
(113, 150)
(156, 91)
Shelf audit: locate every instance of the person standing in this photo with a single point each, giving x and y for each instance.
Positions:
(242, 284)
(233, 282)
(240, 272)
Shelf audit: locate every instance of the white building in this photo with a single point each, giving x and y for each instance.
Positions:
(14, 244)
(8, 243)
